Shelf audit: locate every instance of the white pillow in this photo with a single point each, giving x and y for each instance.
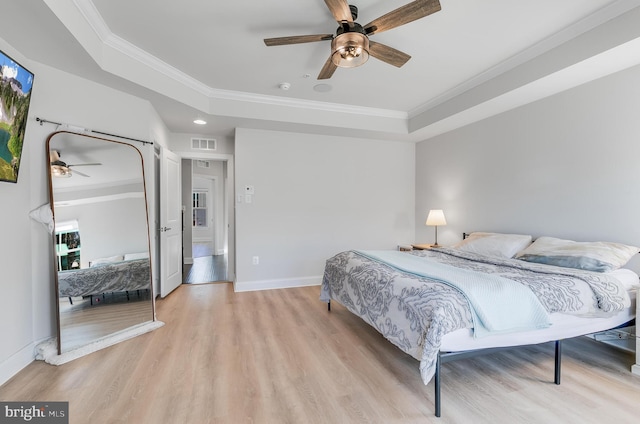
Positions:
(105, 261)
(133, 256)
(627, 277)
(494, 244)
(597, 256)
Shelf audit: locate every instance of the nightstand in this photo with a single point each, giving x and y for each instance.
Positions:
(422, 246)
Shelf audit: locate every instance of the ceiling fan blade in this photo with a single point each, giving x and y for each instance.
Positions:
(327, 70)
(388, 54)
(84, 164)
(340, 10)
(79, 173)
(403, 15)
(296, 39)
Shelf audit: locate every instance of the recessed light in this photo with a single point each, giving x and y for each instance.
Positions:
(322, 88)
(199, 121)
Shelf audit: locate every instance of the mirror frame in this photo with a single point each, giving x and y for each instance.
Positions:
(53, 236)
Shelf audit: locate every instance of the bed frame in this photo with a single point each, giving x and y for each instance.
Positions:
(451, 356)
(444, 357)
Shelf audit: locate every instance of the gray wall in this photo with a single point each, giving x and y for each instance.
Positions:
(565, 166)
(315, 196)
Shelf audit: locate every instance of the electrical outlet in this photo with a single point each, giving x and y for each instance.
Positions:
(255, 260)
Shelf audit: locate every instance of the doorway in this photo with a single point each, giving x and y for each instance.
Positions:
(206, 221)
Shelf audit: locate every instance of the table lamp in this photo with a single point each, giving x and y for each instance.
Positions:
(435, 218)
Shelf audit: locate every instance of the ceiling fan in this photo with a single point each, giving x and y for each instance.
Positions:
(351, 47)
(60, 169)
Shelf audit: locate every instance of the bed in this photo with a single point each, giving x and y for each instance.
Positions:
(490, 291)
(107, 277)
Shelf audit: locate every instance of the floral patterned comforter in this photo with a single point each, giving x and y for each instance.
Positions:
(113, 277)
(415, 312)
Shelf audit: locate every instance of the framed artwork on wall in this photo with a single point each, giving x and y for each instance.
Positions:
(15, 96)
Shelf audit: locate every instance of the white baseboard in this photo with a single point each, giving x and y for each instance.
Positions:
(16, 362)
(635, 368)
(188, 261)
(286, 283)
(220, 252)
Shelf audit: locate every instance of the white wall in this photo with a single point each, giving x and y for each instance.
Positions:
(125, 230)
(565, 166)
(181, 142)
(27, 301)
(314, 197)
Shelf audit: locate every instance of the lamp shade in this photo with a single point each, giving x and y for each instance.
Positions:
(436, 217)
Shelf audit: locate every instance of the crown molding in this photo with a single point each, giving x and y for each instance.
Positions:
(580, 27)
(92, 16)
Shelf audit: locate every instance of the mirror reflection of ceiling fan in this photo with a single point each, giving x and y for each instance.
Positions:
(61, 169)
(351, 47)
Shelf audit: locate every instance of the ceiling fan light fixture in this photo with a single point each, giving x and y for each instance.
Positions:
(60, 171)
(350, 49)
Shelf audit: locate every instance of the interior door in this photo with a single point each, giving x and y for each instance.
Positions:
(170, 223)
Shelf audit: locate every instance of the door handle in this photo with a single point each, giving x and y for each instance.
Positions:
(163, 229)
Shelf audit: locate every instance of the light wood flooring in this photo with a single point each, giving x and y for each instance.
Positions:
(83, 322)
(279, 356)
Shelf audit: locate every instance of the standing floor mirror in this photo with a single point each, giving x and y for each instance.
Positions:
(101, 239)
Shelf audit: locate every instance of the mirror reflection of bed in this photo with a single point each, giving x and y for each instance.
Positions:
(101, 241)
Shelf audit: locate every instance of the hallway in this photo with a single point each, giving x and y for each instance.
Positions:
(206, 269)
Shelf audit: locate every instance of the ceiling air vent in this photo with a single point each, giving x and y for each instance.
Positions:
(203, 144)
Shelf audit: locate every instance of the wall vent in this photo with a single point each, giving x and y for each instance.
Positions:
(203, 163)
(203, 144)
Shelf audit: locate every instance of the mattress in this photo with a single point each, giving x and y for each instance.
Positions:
(563, 326)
